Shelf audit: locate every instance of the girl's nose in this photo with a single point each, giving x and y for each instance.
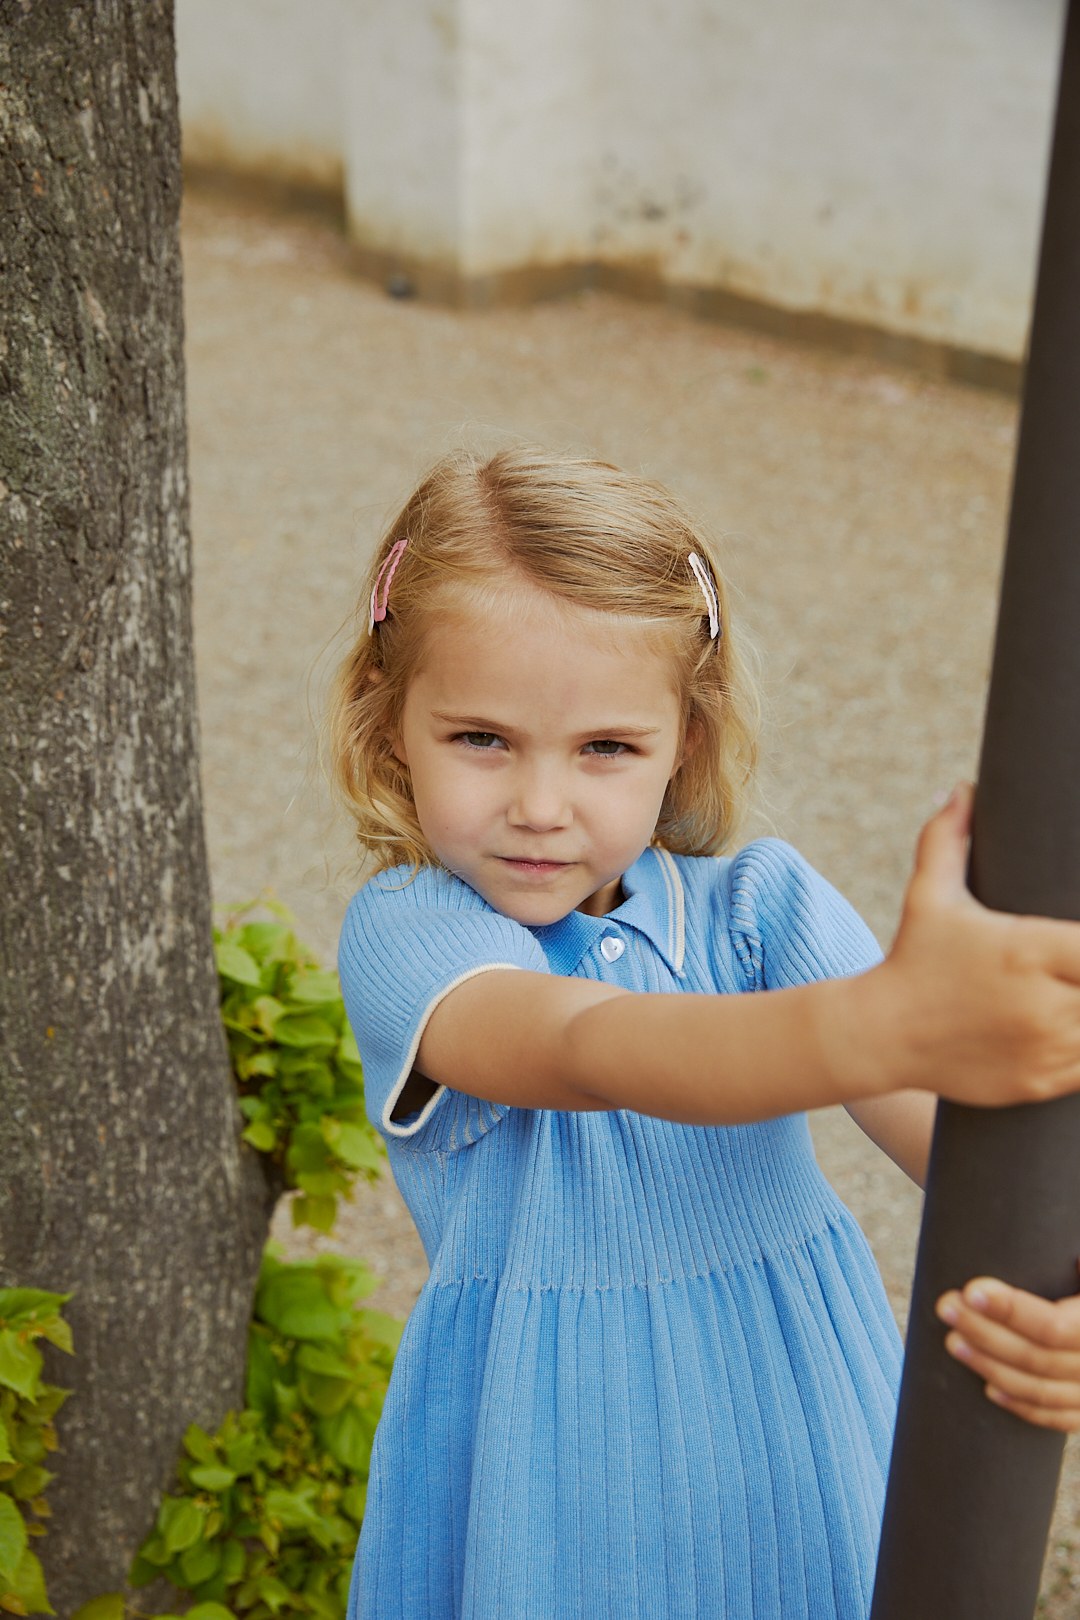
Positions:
(539, 801)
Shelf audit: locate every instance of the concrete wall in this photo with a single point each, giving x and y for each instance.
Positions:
(878, 161)
(263, 86)
(882, 160)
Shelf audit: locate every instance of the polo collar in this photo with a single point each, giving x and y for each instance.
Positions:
(654, 906)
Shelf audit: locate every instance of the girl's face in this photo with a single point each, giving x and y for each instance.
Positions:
(539, 742)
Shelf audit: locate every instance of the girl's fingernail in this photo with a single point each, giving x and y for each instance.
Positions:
(956, 1346)
(947, 1311)
(978, 1299)
(996, 1395)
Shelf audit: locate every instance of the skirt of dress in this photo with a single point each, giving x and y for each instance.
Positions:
(710, 1448)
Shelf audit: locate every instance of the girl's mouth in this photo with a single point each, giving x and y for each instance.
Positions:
(538, 867)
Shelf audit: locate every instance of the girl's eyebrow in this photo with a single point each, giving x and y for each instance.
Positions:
(475, 722)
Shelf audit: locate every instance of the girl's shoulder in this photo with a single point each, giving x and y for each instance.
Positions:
(407, 888)
(764, 874)
(401, 917)
(781, 918)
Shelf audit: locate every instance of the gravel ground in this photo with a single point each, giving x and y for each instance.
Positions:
(861, 512)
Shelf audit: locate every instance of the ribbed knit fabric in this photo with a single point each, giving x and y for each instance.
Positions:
(652, 1375)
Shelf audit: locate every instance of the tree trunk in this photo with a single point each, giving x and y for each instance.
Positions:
(122, 1176)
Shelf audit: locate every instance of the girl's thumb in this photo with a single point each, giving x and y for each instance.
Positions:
(941, 856)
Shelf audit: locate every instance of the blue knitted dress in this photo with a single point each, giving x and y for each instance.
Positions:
(652, 1375)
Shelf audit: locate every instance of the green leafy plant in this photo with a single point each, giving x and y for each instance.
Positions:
(296, 1064)
(265, 1519)
(27, 1436)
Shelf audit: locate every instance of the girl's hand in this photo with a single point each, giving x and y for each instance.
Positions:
(1026, 1349)
(976, 1005)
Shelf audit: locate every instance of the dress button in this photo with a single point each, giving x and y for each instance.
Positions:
(612, 947)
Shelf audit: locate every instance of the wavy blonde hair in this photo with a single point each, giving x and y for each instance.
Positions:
(586, 534)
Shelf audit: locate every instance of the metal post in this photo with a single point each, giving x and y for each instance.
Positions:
(971, 1488)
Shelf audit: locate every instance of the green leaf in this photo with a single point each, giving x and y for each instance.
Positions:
(297, 1065)
(324, 1360)
(266, 1012)
(273, 1592)
(270, 942)
(50, 1398)
(293, 1510)
(152, 1555)
(318, 1212)
(348, 1051)
(28, 1445)
(20, 1306)
(109, 1607)
(354, 1145)
(261, 1370)
(287, 1397)
(295, 1302)
(325, 1396)
(180, 1522)
(261, 1135)
(20, 1364)
(198, 1444)
(200, 1563)
(6, 1453)
(383, 1329)
(240, 1453)
(354, 1501)
(315, 986)
(210, 1477)
(233, 1560)
(58, 1332)
(308, 1153)
(142, 1571)
(300, 1029)
(347, 1436)
(260, 1065)
(29, 1585)
(347, 1280)
(210, 1611)
(29, 1482)
(234, 963)
(12, 1539)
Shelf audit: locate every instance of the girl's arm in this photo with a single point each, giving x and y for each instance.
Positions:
(969, 1004)
(901, 1126)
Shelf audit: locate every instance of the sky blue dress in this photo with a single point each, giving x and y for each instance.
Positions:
(653, 1373)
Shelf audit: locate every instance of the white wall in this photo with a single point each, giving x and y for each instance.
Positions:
(262, 85)
(877, 160)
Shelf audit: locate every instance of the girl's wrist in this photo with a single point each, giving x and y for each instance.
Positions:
(858, 1036)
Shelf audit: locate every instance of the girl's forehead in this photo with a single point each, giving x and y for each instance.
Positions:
(532, 655)
(517, 613)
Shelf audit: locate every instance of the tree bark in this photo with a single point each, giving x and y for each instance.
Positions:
(122, 1176)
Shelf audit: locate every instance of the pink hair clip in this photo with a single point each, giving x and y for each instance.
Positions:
(708, 591)
(382, 583)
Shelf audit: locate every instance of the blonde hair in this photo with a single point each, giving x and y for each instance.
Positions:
(589, 535)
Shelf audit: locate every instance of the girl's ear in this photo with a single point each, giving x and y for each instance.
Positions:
(397, 747)
(691, 741)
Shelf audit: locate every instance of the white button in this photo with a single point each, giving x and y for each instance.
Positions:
(612, 947)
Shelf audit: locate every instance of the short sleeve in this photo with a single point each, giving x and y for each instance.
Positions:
(405, 944)
(790, 925)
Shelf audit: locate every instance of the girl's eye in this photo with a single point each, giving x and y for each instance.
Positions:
(484, 741)
(607, 747)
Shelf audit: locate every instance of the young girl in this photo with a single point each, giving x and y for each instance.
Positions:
(653, 1371)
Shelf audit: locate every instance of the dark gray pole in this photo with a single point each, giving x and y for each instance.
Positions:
(971, 1488)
